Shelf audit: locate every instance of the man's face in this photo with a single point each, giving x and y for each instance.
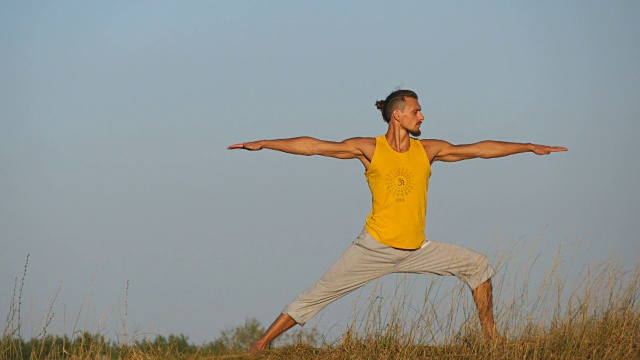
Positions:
(411, 118)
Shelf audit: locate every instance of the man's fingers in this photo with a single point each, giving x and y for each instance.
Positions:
(546, 150)
(252, 146)
(235, 146)
(559, 148)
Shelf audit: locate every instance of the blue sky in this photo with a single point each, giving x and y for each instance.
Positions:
(115, 117)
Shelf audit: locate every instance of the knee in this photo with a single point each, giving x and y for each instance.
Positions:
(483, 270)
(483, 262)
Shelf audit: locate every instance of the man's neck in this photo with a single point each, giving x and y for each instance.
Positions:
(398, 139)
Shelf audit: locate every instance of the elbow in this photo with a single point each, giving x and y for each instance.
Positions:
(312, 146)
(307, 151)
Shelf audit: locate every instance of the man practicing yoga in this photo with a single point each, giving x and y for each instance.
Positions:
(397, 168)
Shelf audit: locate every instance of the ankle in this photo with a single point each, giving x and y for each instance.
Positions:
(258, 346)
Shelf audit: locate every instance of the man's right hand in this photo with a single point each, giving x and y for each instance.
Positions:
(252, 146)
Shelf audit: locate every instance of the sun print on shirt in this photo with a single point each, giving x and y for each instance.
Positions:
(399, 183)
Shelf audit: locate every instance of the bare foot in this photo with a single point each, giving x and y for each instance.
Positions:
(496, 341)
(283, 323)
(499, 339)
(257, 346)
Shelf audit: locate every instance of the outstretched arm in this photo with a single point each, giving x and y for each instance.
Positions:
(354, 148)
(439, 150)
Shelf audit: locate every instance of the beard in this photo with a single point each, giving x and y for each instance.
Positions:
(415, 133)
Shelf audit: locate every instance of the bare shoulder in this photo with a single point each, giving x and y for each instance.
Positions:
(434, 143)
(361, 142)
(433, 147)
(366, 146)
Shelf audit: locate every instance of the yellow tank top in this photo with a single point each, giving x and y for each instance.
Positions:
(398, 184)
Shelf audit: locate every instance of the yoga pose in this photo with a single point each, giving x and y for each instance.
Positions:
(397, 168)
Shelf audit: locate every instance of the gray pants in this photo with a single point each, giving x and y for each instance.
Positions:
(367, 259)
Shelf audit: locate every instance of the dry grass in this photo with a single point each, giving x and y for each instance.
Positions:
(596, 315)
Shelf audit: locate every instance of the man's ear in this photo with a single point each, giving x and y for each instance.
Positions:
(396, 114)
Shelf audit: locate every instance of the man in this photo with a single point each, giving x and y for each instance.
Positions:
(397, 168)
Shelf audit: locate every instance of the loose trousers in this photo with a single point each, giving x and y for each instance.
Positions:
(367, 259)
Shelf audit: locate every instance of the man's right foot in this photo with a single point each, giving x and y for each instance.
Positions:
(257, 346)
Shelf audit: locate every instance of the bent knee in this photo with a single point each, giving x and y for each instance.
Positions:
(482, 271)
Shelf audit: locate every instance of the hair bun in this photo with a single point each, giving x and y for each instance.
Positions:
(380, 104)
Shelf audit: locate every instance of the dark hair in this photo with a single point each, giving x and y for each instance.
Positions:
(395, 100)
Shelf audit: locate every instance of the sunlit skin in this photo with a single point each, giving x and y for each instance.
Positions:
(411, 118)
(404, 123)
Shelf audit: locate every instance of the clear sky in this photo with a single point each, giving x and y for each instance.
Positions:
(115, 117)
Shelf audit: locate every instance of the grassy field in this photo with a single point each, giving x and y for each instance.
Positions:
(594, 316)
